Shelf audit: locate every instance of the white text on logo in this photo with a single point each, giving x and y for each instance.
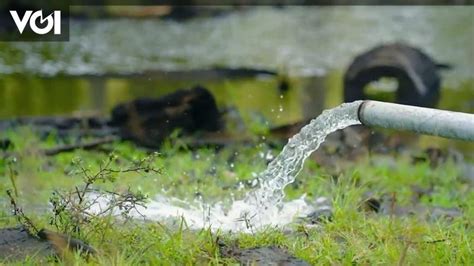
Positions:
(53, 21)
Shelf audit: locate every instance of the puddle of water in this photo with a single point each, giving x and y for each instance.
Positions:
(22, 95)
(26, 95)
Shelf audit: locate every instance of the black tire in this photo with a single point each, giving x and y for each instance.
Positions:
(416, 73)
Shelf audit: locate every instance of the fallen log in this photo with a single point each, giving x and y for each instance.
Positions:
(149, 121)
(84, 146)
(145, 121)
(196, 75)
(68, 148)
(57, 122)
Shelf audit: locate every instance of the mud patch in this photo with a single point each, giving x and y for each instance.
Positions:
(17, 244)
(271, 255)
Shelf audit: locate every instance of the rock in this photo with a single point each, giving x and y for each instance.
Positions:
(370, 205)
(468, 173)
(260, 256)
(437, 213)
(437, 156)
(321, 215)
(388, 205)
(5, 144)
(419, 192)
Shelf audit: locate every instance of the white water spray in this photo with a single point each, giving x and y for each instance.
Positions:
(286, 166)
(264, 206)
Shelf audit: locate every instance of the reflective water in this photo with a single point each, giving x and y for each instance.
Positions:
(302, 40)
(90, 72)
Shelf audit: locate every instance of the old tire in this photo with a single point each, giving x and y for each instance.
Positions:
(416, 73)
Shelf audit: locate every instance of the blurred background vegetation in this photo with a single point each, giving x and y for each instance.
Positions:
(118, 53)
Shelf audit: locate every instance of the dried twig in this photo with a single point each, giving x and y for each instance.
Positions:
(75, 208)
(21, 217)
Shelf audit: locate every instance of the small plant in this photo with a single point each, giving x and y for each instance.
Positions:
(86, 204)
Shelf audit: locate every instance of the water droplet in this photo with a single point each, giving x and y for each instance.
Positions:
(254, 182)
(269, 156)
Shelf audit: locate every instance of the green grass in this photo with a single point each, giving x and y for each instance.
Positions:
(352, 237)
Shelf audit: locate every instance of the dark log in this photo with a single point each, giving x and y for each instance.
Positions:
(196, 75)
(56, 122)
(86, 146)
(68, 148)
(149, 121)
(63, 243)
(416, 73)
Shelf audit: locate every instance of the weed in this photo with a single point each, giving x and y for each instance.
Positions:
(76, 208)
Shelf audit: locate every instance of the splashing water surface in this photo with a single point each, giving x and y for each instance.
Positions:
(264, 206)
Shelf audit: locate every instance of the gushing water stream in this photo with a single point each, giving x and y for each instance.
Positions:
(286, 166)
(264, 206)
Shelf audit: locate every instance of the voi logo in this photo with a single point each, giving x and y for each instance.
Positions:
(51, 22)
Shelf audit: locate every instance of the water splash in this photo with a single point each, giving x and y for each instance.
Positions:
(264, 206)
(286, 166)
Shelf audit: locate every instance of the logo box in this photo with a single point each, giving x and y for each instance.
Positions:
(28, 24)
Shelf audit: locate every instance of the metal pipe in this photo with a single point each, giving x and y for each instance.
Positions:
(434, 122)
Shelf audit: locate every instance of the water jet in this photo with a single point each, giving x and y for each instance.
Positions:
(264, 206)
